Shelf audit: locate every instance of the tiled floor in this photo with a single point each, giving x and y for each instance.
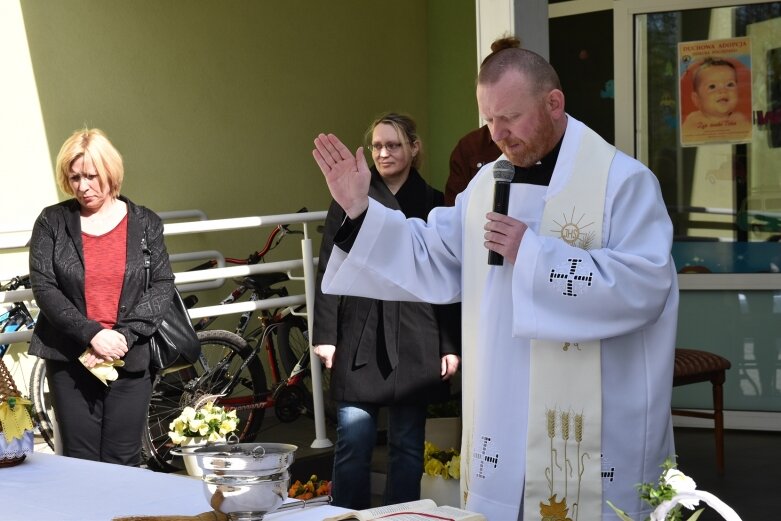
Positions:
(751, 483)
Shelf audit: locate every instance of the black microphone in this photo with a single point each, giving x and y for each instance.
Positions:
(504, 171)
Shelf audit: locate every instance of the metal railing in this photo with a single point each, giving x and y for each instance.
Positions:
(305, 264)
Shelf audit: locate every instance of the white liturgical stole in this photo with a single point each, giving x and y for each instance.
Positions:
(563, 455)
(563, 448)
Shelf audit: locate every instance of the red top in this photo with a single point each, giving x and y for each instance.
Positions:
(104, 271)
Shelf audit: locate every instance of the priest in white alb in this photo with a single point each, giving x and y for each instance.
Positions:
(569, 342)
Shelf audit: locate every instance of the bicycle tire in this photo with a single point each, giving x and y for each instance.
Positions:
(222, 353)
(42, 406)
(291, 337)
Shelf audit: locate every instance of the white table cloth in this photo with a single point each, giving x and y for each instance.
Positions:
(46, 487)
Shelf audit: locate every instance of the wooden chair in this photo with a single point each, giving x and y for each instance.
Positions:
(693, 366)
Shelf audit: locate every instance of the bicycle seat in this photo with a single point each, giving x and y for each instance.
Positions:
(262, 282)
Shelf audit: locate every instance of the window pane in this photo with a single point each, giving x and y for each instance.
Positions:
(723, 190)
(581, 51)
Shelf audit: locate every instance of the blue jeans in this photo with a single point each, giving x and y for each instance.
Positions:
(356, 437)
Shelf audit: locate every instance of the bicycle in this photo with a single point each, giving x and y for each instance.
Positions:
(18, 317)
(230, 365)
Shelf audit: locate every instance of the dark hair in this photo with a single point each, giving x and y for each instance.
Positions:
(534, 67)
(500, 44)
(709, 62)
(405, 126)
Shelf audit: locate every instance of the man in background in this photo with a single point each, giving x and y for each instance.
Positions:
(476, 148)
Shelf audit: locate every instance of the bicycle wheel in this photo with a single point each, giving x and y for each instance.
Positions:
(42, 406)
(222, 355)
(291, 336)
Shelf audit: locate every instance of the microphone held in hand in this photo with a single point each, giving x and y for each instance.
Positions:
(504, 171)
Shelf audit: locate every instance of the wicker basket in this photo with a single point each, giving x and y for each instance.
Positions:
(14, 451)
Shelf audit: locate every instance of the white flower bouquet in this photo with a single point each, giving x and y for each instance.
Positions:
(673, 491)
(208, 421)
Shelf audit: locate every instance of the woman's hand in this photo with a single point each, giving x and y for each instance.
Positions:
(450, 365)
(326, 354)
(347, 175)
(107, 345)
(92, 358)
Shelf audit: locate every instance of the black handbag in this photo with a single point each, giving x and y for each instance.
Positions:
(175, 342)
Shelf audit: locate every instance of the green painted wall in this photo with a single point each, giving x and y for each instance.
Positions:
(214, 105)
(452, 58)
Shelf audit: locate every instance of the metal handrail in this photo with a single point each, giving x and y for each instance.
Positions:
(307, 263)
(182, 214)
(19, 239)
(218, 257)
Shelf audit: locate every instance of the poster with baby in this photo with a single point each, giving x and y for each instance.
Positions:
(715, 91)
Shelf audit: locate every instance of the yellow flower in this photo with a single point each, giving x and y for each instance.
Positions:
(428, 449)
(454, 467)
(210, 421)
(434, 467)
(443, 463)
(227, 426)
(177, 438)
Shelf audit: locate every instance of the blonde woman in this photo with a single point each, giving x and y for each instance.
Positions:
(87, 274)
(397, 355)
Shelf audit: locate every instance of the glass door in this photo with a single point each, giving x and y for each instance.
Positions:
(706, 100)
(698, 99)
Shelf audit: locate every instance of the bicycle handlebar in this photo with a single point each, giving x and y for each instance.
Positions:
(258, 283)
(257, 256)
(16, 282)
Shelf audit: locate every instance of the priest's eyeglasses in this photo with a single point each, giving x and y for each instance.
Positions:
(390, 147)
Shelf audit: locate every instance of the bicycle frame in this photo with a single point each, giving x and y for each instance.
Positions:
(238, 292)
(296, 376)
(16, 316)
(259, 338)
(234, 371)
(297, 373)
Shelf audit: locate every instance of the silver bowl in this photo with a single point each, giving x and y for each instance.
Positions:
(258, 459)
(244, 497)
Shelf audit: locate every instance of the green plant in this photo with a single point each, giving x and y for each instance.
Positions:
(447, 409)
(673, 491)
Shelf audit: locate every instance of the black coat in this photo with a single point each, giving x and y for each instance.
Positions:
(62, 330)
(386, 352)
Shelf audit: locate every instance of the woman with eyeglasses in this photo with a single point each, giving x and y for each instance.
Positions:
(398, 355)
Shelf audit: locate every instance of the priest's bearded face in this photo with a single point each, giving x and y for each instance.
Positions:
(521, 121)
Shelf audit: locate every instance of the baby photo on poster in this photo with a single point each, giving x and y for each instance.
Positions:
(715, 91)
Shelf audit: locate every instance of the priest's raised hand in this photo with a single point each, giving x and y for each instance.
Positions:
(347, 175)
